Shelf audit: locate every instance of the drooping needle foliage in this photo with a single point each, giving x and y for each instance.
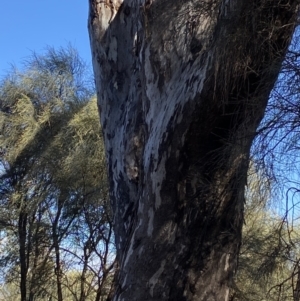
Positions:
(54, 218)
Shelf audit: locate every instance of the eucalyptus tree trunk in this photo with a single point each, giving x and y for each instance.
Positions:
(182, 87)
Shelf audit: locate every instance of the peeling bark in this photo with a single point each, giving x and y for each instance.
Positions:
(182, 87)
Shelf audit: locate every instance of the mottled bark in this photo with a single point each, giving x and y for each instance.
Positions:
(182, 87)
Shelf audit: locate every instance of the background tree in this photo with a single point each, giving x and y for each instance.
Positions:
(182, 87)
(275, 153)
(54, 182)
(268, 261)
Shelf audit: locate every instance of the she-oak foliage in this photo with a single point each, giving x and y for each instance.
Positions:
(54, 214)
(182, 87)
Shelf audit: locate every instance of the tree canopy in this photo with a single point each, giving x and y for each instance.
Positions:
(55, 220)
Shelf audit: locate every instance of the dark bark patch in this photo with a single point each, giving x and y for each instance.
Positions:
(136, 243)
(195, 46)
(161, 82)
(120, 80)
(127, 10)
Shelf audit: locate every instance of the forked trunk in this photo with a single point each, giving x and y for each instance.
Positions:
(182, 87)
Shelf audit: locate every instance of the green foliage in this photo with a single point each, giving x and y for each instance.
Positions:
(53, 191)
(268, 262)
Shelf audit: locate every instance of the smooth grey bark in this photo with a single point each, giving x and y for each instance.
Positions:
(182, 87)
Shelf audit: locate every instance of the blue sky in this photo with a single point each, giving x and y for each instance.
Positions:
(31, 25)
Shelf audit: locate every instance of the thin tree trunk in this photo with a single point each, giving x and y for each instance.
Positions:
(56, 241)
(86, 255)
(35, 252)
(34, 277)
(58, 271)
(22, 232)
(182, 87)
(58, 233)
